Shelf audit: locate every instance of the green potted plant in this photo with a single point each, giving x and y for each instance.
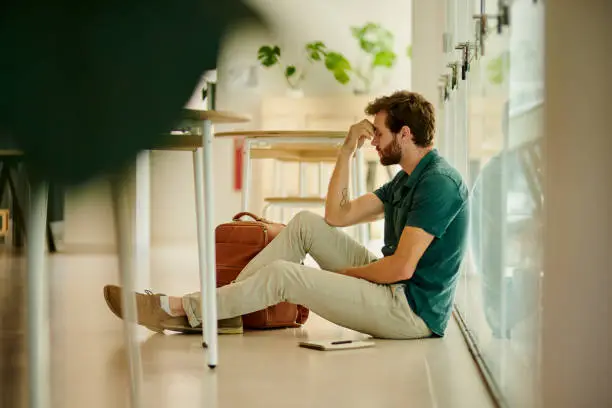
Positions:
(270, 55)
(334, 61)
(375, 42)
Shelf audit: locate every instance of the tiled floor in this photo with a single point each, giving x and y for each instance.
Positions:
(258, 369)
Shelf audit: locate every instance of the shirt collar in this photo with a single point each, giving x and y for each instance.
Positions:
(420, 167)
(409, 180)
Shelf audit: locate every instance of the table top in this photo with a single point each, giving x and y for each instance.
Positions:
(295, 152)
(192, 142)
(178, 142)
(255, 134)
(309, 151)
(215, 116)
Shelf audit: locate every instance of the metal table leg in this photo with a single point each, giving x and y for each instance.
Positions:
(354, 188)
(198, 171)
(246, 174)
(302, 187)
(211, 263)
(206, 242)
(143, 220)
(39, 372)
(360, 181)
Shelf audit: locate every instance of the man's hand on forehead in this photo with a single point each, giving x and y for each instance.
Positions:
(358, 134)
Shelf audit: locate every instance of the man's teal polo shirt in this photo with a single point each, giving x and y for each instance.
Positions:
(433, 198)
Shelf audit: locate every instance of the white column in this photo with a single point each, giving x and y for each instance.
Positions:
(428, 20)
(577, 319)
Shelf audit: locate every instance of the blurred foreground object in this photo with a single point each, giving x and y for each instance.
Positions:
(85, 85)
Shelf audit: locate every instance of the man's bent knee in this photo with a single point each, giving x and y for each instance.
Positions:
(306, 219)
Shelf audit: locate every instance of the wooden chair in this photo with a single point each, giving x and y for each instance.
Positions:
(303, 155)
(4, 217)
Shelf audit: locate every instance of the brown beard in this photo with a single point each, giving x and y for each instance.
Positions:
(391, 154)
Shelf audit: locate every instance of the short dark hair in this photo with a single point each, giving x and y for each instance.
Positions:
(410, 109)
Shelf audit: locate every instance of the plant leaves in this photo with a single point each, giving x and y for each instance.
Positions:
(336, 61)
(385, 38)
(373, 38)
(384, 59)
(409, 51)
(342, 77)
(268, 56)
(316, 50)
(339, 66)
(290, 71)
(360, 34)
(366, 45)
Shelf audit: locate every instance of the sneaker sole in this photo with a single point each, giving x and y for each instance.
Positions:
(236, 330)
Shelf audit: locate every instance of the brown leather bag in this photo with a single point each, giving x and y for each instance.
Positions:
(238, 242)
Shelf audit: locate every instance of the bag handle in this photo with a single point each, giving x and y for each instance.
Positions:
(249, 214)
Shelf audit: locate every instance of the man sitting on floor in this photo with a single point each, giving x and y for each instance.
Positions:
(406, 294)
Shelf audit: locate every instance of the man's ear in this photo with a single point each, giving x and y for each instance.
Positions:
(406, 134)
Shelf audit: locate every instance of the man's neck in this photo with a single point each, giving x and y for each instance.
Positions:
(412, 158)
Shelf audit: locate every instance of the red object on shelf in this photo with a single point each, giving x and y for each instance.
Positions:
(238, 146)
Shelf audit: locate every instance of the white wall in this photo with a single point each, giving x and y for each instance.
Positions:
(295, 23)
(577, 327)
(428, 56)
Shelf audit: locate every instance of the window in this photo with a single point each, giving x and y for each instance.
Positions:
(492, 132)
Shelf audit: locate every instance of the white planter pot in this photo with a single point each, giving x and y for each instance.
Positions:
(295, 93)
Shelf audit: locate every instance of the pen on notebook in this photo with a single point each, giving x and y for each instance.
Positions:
(342, 342)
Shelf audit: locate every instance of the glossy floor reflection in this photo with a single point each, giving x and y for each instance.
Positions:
(258, 369)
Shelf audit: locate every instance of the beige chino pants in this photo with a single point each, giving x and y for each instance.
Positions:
(276, 275)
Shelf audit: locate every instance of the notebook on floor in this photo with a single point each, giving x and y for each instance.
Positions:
(329, 345)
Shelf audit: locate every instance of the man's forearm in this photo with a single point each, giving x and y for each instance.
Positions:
(384, 271)
(338, 200)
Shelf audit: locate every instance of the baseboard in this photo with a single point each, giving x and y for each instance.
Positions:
(487, 377)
